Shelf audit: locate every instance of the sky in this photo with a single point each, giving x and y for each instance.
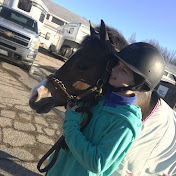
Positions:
(146, 19)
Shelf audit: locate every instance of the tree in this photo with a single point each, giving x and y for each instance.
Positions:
(169, 55)
(132, 39)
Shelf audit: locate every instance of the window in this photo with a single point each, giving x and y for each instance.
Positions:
(165, 73)
(60, 31)
(57, 21)
(18, 18)
(71, 30)
(171, 76)
(25, 5)
(42, 17)
(5, 2)
(47, 17)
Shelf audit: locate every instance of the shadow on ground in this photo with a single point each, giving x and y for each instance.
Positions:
(46, 52)
(8, 165)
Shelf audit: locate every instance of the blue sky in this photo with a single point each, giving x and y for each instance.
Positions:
(149, 19)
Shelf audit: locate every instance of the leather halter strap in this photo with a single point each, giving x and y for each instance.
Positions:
(74, 98)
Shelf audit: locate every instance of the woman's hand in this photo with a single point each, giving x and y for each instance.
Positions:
(72, 108)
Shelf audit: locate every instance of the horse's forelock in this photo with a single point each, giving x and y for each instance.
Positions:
(88, 39)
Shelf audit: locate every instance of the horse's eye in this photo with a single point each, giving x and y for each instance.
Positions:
(82, 67)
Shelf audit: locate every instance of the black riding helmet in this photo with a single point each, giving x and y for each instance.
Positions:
(146, 61)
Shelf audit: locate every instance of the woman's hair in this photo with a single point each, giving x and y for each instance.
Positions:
(137, 78)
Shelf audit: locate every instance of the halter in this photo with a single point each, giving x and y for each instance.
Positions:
(74, 98)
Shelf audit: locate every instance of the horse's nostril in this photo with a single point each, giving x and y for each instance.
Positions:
(33, 97)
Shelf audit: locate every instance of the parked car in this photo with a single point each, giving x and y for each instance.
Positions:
(19, 40)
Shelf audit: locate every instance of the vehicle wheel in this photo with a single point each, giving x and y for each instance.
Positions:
(47, 36)
(49, 50)
(27, 67)
(66, 51)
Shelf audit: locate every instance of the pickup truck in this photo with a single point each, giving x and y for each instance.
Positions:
(19, 39)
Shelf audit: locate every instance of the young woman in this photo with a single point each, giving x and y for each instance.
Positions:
(116, 121)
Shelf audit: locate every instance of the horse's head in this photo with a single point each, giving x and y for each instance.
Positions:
(80, 77)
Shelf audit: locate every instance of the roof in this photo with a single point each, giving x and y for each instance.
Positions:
(65, 14)
(170, 68)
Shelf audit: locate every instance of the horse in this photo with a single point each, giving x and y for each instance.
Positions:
(82, 75)
(83, 78)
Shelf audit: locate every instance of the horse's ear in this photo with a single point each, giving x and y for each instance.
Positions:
(104, 39)
(103, 33)
(92, 31)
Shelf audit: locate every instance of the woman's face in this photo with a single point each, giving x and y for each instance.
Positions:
(121, 76)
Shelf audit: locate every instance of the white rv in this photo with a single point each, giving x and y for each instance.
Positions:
(68, 39)
(33, 8)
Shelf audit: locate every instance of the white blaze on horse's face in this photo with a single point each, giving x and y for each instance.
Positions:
(40, 91)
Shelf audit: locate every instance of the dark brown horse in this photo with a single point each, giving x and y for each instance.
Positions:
(82, 76)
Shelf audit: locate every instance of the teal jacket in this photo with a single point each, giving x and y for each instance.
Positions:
(99, 149)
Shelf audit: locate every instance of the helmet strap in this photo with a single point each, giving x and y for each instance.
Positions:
(133, 88)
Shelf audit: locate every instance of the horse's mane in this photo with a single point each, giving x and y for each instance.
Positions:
(147, 101)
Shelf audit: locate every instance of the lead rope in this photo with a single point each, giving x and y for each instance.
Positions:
(61, 143)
